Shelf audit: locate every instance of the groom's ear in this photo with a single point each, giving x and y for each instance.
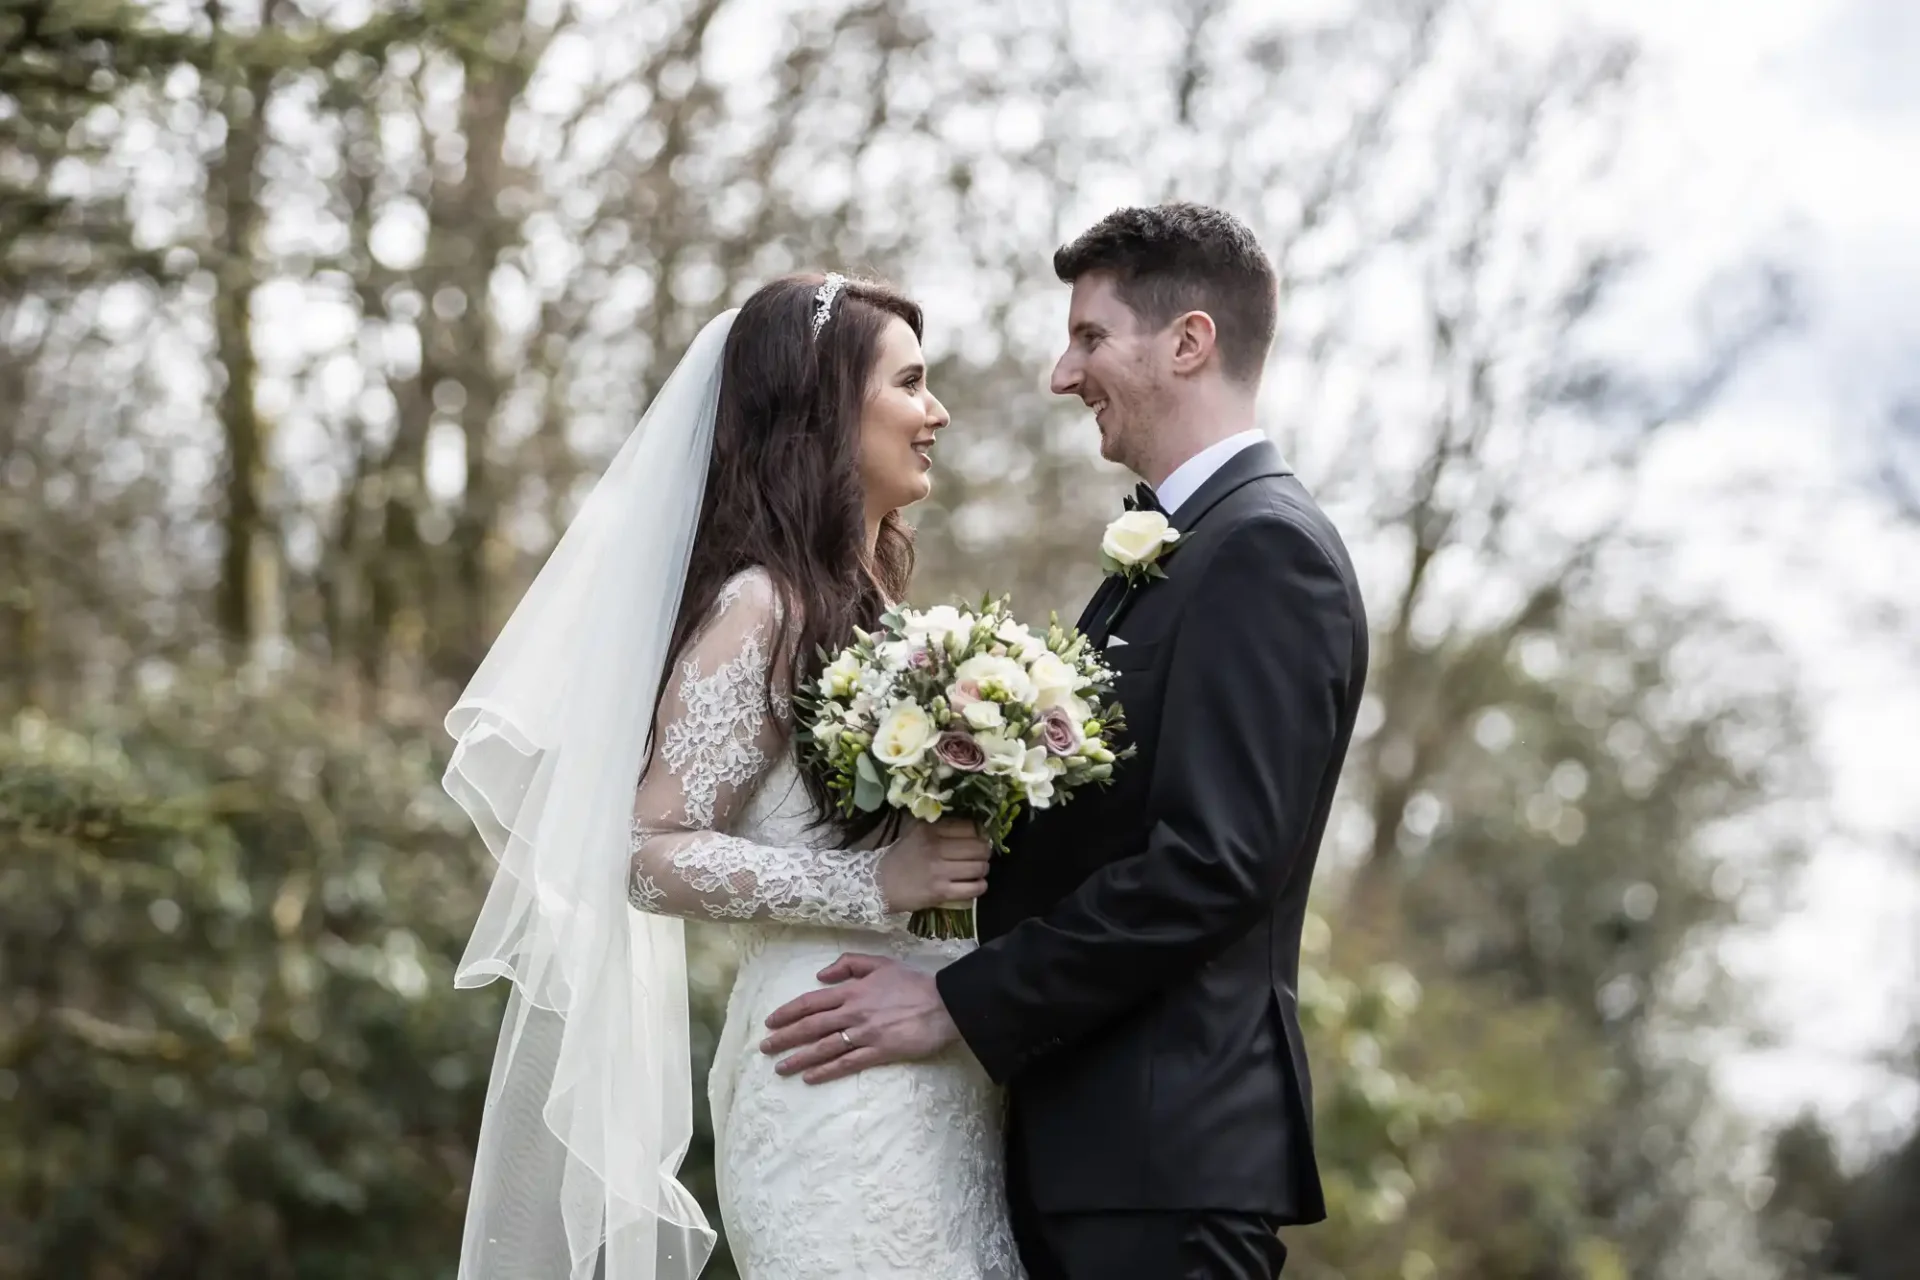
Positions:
(1194, 338)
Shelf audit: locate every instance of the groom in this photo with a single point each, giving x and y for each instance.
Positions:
(1136, 984)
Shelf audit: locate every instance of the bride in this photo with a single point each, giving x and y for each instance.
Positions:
(750, 521)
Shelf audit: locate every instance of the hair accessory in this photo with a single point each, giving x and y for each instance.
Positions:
(823, 300)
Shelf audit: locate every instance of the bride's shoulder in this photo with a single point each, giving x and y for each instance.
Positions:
(752, 591)
(752, 595)
(749, 612)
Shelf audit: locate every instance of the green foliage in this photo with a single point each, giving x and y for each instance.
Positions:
(1450, 1129)
(230, 1044)
(1597, 803)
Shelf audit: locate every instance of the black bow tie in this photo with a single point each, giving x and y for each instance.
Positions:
(1143, 498)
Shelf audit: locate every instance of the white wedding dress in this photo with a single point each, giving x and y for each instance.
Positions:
(894, 1174)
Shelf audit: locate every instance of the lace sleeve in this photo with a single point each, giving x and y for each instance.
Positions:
(716, 736)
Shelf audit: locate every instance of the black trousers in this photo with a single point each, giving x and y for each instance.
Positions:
(1139, 1245)
(1149, 1246)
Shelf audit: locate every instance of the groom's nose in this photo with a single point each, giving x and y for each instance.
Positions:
(1066, 375)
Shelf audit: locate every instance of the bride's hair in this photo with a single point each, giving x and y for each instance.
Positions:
(783, 487)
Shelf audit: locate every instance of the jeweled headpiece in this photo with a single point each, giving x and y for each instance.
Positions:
(823, 298)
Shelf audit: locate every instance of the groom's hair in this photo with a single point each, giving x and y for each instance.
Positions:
(1170, 259)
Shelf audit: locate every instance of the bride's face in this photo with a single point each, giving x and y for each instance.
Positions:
(898, 425)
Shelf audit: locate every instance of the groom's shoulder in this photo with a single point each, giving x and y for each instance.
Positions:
(1274, 544)
(1278, 513)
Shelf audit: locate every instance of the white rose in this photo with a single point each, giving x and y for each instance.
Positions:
(984, 715)
(1053, 676)
(1005, 755)
(904, 735)
(1138, 538)
(1002, 679)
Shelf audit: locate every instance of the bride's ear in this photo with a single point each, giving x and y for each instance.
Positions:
(1194, 339)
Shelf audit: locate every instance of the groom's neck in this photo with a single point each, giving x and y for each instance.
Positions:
(1192, 429)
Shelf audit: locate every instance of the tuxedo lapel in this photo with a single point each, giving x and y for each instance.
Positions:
(1255, 462)
(1102, 604)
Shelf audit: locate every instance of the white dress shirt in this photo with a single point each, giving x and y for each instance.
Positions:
(1197, 470)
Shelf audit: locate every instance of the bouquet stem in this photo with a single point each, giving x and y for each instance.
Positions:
(946, 924)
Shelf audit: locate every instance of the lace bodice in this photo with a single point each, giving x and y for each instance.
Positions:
(698, 845)
(896, 1172)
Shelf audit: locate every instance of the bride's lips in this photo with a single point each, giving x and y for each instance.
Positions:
(925, 449)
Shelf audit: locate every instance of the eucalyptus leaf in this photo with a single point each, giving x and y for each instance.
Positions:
(869, 792)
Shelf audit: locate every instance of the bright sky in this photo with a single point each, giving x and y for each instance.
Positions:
(1797, 123)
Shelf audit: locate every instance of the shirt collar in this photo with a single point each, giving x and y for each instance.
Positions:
(1197, 470)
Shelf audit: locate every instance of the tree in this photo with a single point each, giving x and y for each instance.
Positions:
(65, 231)
(398, 277)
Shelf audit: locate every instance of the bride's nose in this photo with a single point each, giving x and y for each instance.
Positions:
(937, 415)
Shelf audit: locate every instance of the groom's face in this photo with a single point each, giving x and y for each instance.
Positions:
(1109, 364)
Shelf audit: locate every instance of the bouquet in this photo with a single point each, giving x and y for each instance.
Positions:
(969, 713)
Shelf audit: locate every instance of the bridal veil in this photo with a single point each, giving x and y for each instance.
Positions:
(590, 1104)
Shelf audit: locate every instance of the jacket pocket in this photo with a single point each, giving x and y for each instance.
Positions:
(1132, 657)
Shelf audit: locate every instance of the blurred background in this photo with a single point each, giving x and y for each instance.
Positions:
(1600, 339)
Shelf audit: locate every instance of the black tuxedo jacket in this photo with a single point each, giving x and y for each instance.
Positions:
(1135, 986)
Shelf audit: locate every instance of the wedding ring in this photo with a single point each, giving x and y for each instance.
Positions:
(846, 1039)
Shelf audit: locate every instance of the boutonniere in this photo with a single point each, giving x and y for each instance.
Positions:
(1135, 544)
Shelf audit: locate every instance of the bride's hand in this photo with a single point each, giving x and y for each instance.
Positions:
(935, 864)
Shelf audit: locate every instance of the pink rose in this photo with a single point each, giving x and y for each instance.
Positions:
(963, 695)
(919, 659)
(959, 750)
(1059, 732)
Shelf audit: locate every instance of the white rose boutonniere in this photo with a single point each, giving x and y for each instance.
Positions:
(1135, 544)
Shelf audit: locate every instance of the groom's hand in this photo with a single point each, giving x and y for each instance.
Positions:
(888, 1012)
